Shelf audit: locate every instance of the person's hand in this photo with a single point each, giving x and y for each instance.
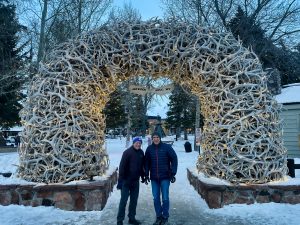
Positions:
(145, 180)
(173, 178)
(120, 184)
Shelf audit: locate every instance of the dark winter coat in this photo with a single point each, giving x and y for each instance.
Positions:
(161, 161)
(131, 167)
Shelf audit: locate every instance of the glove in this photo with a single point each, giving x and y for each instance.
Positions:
(173, 178)
(120, 184)
(145, 180)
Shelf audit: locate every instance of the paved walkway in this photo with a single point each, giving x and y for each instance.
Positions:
(186, 206)
(191, 210)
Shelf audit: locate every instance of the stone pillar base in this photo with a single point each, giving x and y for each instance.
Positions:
(217, 194)
(76, 196)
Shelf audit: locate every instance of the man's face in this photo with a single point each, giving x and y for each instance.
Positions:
(156, 139)
(137, 145)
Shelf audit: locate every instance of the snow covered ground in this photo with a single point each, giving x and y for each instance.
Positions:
(187, 207)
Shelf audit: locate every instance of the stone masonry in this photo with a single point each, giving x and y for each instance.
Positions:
(87, 196)
(218, 195)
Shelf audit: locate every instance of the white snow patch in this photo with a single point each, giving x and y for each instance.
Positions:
(290, 94)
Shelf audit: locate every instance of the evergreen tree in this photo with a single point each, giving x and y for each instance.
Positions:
(246, 29)
(253, 36)
(11, 60)
(288, 63)
(115, 111)
(139, 121)
(181, 112)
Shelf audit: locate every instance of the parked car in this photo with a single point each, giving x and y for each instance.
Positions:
(11, 138)
(10, 143)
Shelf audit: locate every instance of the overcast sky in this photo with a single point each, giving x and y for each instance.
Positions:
(147, 8)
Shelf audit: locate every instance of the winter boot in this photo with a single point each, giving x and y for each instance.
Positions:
(157, 221)
(164, 221)
(134, 222)
(119, 223)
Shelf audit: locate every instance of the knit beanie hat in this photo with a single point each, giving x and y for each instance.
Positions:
(155, 133)
(135, 139)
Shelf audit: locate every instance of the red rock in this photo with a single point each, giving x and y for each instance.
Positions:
(276, 197)
(94, 200)
(244, 200)
(44, 194)
(292, 199)
(262, 199)
(63, 200)
(228, 197)
(5, 198)
(214, 199)
(15, 199)
(79, 200)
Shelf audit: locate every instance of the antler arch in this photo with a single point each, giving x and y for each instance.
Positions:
(64, 126)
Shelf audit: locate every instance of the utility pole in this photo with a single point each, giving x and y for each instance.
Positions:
(198, 106)
(128, 127)
(128, 107)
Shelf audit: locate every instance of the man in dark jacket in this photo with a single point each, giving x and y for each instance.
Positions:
(161, 161)
(130, 170)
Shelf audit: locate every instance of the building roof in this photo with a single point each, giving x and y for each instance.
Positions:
(289, 94)
(15, 128)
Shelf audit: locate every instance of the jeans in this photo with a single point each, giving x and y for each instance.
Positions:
(127, 190)
(161, 186)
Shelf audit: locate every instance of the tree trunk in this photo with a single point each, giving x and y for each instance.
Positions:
(42, 33)
(79, 16)
(144, 121)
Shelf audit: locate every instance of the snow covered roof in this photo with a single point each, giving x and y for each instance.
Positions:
(15, 128)
(289, 94)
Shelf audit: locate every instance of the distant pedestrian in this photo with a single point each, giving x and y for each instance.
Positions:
(2, 140)
(17, 140)
(130, 170)
(161, 161)
(149, 140)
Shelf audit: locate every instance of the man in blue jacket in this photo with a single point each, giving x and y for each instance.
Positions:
(161, 161)
(130, 170)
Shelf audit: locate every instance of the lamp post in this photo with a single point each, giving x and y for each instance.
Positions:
(128, 110)
(197, 124)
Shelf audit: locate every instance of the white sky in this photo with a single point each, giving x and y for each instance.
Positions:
(288, 95)
(159, 107)
(186, 205)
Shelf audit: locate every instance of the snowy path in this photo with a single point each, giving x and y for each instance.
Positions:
(188, 208)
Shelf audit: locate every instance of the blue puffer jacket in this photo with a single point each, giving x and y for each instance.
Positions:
(161, 161)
